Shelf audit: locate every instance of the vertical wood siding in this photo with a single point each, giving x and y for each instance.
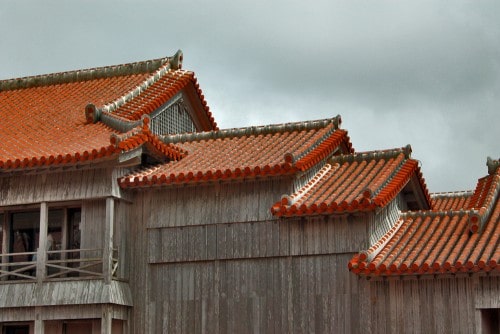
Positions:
(214, 203)
(427, 305)
(92, 224)
(270, 295)
(60, 186)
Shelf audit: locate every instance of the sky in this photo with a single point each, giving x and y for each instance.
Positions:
(423, 73)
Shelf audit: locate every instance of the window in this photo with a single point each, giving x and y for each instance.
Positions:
(24, 235)
(21, 236)
(490, 320)
(16, 329)
(77, 327)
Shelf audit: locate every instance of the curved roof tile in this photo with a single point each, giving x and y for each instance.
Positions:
(458, 200)
(239, 153)
(45, 118)
(446, 241)
(354, 182)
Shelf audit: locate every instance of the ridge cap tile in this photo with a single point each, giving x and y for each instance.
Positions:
(269, 129)
(92, 73)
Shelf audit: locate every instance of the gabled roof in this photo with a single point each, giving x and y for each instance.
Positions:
(245, 153)
(69, 117)
(141, 136)
(354, 182)
(429, 242)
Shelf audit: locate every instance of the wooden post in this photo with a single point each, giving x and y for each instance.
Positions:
(5, 239)
(106, 320)
(39, 328)
(41, 255)
(64, 235)
(107, 253)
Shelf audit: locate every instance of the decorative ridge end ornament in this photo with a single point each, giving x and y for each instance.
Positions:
(407, 151)
(92, 113)
(176, 60)
(492, 165)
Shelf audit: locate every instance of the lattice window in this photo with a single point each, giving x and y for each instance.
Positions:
(172, 118)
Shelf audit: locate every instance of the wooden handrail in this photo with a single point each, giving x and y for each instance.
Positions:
(81, 265)
(17, 254)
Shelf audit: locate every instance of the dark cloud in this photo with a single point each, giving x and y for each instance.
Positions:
(423, 73)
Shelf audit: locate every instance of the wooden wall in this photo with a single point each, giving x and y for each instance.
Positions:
(425, 305)
(213, 259)
(60, 186)
(302, 294)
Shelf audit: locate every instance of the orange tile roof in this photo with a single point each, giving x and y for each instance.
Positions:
(246, 152)
(159, 93)
(142, 136)
(451, 200)
(430, 242)
(354, 182)
(45, 119)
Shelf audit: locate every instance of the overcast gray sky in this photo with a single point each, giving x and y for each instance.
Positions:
(419, 73)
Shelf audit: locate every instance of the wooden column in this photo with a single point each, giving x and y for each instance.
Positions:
(39, 326)
(64, 234)
(107, 253)
(106, 320)
(5, 239)
(41, 255)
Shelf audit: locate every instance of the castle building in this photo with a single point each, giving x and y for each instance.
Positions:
(125, 209)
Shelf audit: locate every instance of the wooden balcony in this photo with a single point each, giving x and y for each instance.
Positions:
(59, 265)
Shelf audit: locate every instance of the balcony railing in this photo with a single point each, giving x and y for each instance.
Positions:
(14, 268)
(60, 264)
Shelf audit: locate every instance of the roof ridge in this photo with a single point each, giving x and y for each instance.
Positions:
(93, 113)
(377, 155)
(436, 213)
(252, 130)
(86, 74)
(478, 219)
(458, 193)
(393, 185)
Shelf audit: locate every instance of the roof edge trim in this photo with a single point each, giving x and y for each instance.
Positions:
(289, 200)
(373, 251)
